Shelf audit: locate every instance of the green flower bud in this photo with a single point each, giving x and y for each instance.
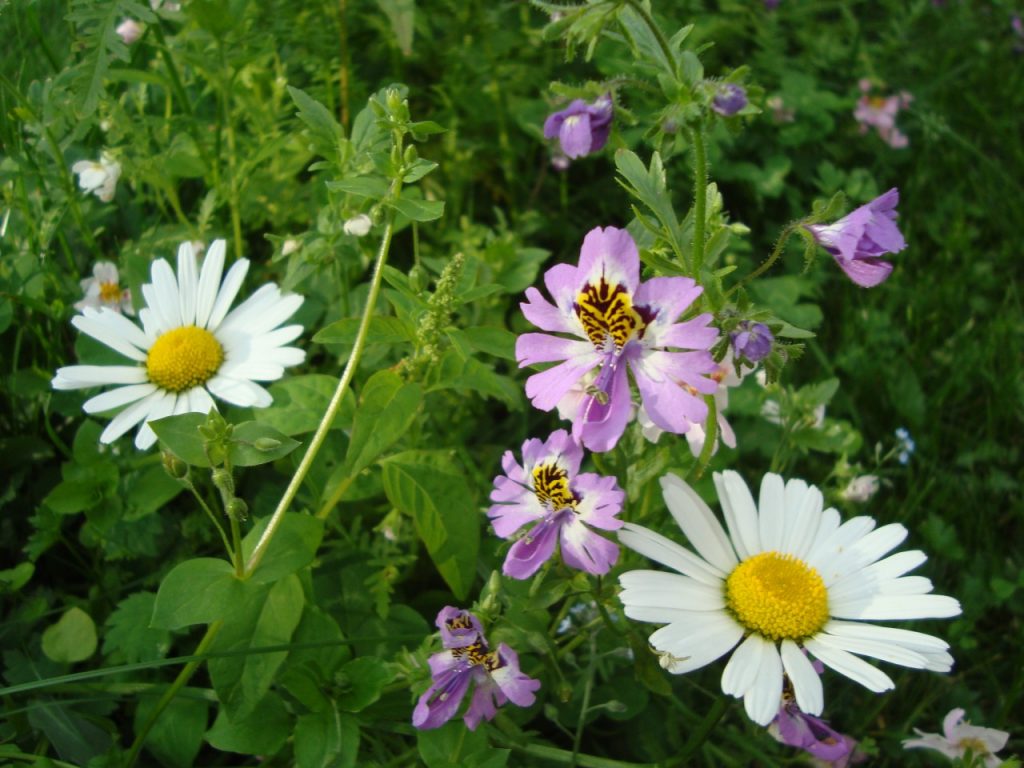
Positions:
(224, 481)
(266, 444)
(237, 509)
(175, 467)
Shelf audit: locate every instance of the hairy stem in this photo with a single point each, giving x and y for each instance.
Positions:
(335, 404)
(780, 246)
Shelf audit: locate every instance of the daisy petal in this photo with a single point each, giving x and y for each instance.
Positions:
(82, 376)
(103, 333)
(771, 507)
(129, 417)
(166, 293)
(209, 279)
(806, 682)
(740, 512)
(228, 290)
(741, 671)
(188, 283)
(698, 523)
(894, 654)
(762, 700)
(115, 398)
(667, 552)
(239, 392)
(849, 665)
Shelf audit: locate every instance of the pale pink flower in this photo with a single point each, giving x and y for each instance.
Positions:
(958, 737)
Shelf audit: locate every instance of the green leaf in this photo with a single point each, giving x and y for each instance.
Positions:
(382, 330)
(128, 633)
(263, 732)
(177, 734)
(362, 186)
(71, 639)
(361, 683)
(418, 170)
(427, 486)
(13, 579)
(241, 681)
(386, 410)
(491, 340)
(326, 132)
(180, 435)
(293, 547)
(418, 210)
(454, 746)
(75, 738)
(326, 739)
(300, 402)
(253, 444)
(198, 591)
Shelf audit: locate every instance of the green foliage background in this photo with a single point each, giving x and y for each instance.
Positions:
(215, 141)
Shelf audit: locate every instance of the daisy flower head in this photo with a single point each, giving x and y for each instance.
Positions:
(548, 493)
(610, 321)
(788, 577)
(189, 346)
(959, 737)
(99, 177)
(104, 290)
(467, 659)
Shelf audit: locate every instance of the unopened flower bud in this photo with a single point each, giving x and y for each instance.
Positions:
(290, 246)
(358, 226)
(237, 509)
(175, 467)
(752, 341)
(861, 489)
(129, 31)
(266, 444)
(223, 480)
(729, 99)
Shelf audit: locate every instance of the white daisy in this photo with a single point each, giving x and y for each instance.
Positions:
(189, 346)
(103, 289)
(100, 178)
(788, 576)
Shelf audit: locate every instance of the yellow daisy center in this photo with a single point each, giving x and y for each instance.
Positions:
(607, 313)
(551, 486)
(778, 596)
(184, 358)
(110, 292)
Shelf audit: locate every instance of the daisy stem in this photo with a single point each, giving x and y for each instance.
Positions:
(700, 734)
(179, 682)
(335, 405)
(700, 198)
(236, 539)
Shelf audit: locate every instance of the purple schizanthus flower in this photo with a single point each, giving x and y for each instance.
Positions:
(616, 320)
(752, 341)
(958, 738)
(547, 491)
(879, 112)
(795, 728)
(581, 128)
(496, 673)
(859, 240)
(729, 99)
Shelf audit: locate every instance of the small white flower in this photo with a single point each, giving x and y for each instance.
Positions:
(129, 31)
(104, 290)
(788, 577)
(290, 246)
(958, 737)
(166, 5)
(189, 347)
(100, 178)
(861, 488)
(358, 225)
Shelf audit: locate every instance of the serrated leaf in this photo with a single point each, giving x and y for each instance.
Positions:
(128, 634)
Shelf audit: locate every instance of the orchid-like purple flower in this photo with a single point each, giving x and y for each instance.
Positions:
(496, 674)
(548, 492)
(617, 320)
(859, 240)
(729, 99)
(959, 737)
(879, 112)
(752, 341)
(581, 128)
(795, 728)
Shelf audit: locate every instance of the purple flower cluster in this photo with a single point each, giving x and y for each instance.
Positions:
(729, 99)
(548, 493)
(859, 240)
(466, 659)
(581, 128)
(879, 112)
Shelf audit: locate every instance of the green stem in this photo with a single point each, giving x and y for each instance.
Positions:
(767, 263)
(236, 539)
(179, 682)
(335, 498)
(565, 756)
(700, 733)
(700, 198)
(588, 687)
(335, 404)
(666, 49)
(213, 517)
